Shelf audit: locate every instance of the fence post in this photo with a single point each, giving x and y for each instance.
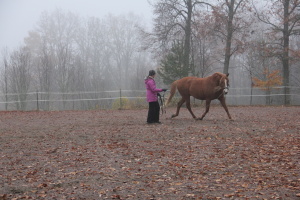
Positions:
(37, 100)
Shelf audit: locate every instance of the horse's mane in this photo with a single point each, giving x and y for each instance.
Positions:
(217, 75)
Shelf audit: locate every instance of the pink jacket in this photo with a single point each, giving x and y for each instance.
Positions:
(151, 89)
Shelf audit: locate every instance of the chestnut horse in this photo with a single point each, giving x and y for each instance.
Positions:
(208, 88)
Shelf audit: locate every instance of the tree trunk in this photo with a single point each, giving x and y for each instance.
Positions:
(229, 37)
(285, 58)
(187, 43)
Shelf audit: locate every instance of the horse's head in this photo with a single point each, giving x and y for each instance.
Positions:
(224, 83)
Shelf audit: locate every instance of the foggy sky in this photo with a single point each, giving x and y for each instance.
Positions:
(17, 17)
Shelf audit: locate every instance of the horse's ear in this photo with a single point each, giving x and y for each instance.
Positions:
(227, 74)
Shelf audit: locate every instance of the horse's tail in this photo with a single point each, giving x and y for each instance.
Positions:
(172, 92)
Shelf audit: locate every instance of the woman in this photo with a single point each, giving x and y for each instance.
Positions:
(152, 92)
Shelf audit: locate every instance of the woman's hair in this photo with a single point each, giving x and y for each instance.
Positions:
(152, 72)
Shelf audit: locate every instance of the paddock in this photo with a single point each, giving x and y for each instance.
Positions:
(114, 154)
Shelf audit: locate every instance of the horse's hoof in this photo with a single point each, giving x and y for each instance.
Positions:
(172, 116)
(199, 118)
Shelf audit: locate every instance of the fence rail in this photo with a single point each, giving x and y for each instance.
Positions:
(116, 99)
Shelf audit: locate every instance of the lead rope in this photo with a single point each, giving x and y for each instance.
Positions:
(221, 94)
(162, 103)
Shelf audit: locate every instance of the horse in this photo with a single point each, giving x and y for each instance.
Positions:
(207, 88)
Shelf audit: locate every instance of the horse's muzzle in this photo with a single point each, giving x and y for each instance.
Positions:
(226, 90)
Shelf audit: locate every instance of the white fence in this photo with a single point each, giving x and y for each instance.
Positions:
(126, 99)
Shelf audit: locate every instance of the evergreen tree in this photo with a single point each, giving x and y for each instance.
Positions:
(172, 66)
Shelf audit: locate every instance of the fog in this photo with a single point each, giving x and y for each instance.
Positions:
(17, 17)
(101, 58)
(94, 54)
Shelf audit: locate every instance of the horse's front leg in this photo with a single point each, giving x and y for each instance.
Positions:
(206, 109)
(222, 100)
(179, 104)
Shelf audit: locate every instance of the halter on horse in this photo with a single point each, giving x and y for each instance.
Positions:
(208, 88)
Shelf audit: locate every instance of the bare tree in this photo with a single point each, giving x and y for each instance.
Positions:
(174, 21)
(204, 44)
(123, 45)
(259, 65)
(232, 20)
(87, 54)
(53, 50)
(295, 61)
(42, 58)
(60, 29)
(4, 75)
(19, 74)
(283, 18)
(92, 60)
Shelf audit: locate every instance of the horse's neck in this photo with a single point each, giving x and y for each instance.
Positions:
(217, 88)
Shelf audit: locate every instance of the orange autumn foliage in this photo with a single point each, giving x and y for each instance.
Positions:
(272, 79)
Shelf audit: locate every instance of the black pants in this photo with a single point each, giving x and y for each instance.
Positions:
(153, 112)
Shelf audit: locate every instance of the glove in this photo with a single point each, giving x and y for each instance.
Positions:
(164, 90)
(158, 95)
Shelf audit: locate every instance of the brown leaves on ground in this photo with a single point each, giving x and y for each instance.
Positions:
(116, 155)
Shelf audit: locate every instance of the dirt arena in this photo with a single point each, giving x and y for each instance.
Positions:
(116, 155)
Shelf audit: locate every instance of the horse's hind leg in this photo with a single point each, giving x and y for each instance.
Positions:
(206, 109)
(179, 104)
(188, 105)
(222, 100)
